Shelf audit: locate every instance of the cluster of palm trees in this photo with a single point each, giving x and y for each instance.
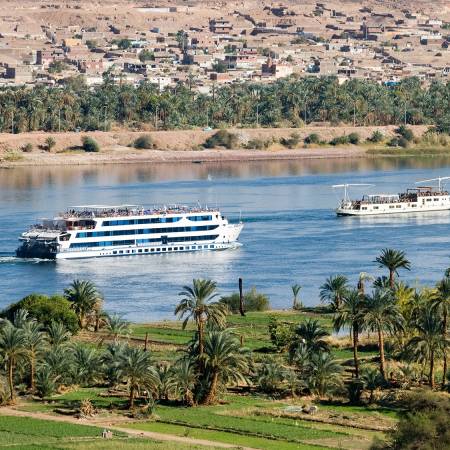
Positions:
(289, 101)
(415, 319)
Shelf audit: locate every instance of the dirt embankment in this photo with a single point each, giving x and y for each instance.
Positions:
(177, 145)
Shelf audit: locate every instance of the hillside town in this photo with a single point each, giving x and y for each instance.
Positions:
(210, 43)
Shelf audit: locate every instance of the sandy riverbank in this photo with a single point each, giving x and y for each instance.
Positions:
(176, 146)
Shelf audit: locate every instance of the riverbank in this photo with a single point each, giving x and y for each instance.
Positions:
(181, 146)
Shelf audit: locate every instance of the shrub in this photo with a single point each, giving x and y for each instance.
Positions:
(49, 143)
(353, 138)
(312, 138)
(89, 144)
(46, 310)
(403, 142)
(405, 132)
(280, 334)
(377, 136)
(259, 144)
(143, 142)
(253, 301)
(339, 140)
(222, 138)
(292, 141)
(393, 142)
(27, 148)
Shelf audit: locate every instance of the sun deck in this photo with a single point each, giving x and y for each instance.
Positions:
(101, 211)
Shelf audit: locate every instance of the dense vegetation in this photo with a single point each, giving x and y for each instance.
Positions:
(398, 341)
(286, 102)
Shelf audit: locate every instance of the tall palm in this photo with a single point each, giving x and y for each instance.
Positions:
(117, 326)
(325, 374)
(428, 343)
(136, 367)
(351, 314)
(295, 291)
(381, 314)
(441, 303)
(333, 290)
(310, 335)
(12, 348)
(198, 305)
(35, 342)
(225, 361)
(84, 297)
(393, 260)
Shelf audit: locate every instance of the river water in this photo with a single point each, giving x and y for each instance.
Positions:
(291, 233)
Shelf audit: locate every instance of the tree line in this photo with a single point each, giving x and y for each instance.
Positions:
(288, 102)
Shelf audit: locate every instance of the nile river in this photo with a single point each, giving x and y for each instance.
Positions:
(291, 233)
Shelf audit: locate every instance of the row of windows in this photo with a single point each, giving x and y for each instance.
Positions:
(101, 244)
(114, 223)
(142, 241)
(159, 250)
(88, 234)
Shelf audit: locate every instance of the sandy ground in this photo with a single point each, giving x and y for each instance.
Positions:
(176, 146)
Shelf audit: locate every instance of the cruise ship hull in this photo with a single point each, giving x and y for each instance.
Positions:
(385, 209)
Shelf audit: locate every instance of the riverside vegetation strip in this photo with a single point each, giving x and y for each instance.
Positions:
(275, 380)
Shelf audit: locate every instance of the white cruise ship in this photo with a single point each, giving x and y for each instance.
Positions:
(418, 199)
(94, 230)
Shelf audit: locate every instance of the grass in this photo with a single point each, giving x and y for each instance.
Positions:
(253, 327)
(33, 434)
(238, 422)
(72, 400)
(410, 151)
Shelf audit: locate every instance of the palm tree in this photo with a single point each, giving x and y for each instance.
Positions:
(393, 260)
(35, 342)
(111, 362)
(441, 303)
(166, 381)
(333, 290)
(325, 374)
(428, 344)
(85, 364)
(116, 326)
(380, 314)
(58, 334)
(295, 291)
(198, 305)
(311, 335)
(12, 346)
(350, 314)
(225, 361)
(137, 369)
(84, 297)
(363, 277)
(371, 379)
(184, 378)
(270, 376)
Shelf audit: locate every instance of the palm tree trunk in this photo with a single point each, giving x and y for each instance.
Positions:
(391, 278)
(32, 371)
(131, 399)
(11, 378)
(431, 369)
(209, 399)
(200, 338)
(355, 349)
(444, 357)
(381, 350)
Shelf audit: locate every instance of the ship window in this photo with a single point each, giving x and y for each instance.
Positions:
(164, 249)
(428, 199)
(120, 252)
(436, 199)
(158, 249)
(175, 248)
(199, 218)
(364, 207)
(140, 250)
(211, 246)
(375, 207)
(391, 206)
(413, 206)
(398, 206)
(115, 252)
(181, 248)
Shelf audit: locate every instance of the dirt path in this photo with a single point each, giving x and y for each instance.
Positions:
(103, 422)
